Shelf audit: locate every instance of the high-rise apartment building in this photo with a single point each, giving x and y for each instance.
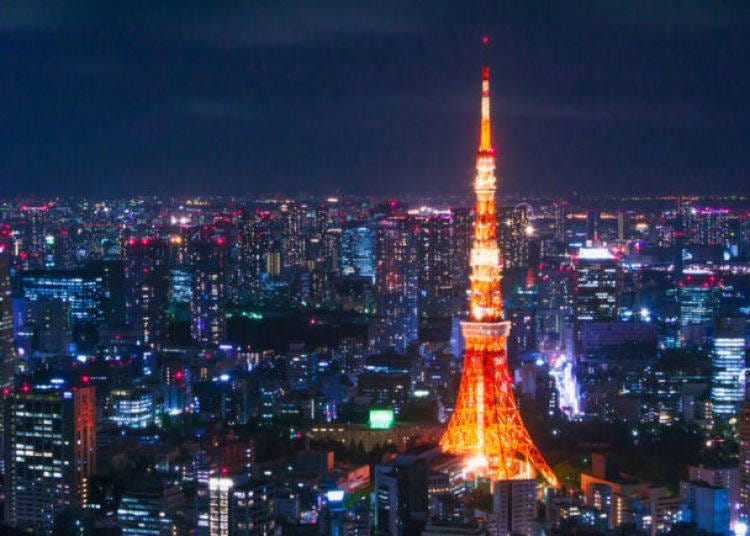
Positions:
(743, 426)
(357, 251)
(33, 232)
(433, 232)
(514, 507)
(7, 352)
(208, 261)
(147, 263)
(560, 210)
(397, 279)
(462, 221)
(513, 234)
(50, 453)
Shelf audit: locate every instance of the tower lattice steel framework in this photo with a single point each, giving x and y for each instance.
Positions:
(486, 426)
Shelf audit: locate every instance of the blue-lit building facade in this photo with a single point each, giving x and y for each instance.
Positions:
(85, 291)
(728, 366)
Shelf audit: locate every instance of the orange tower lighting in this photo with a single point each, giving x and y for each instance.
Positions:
(486, 426)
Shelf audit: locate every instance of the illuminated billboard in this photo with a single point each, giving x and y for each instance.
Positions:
(381, 419)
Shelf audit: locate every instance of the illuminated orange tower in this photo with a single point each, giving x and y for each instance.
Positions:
(486, 427)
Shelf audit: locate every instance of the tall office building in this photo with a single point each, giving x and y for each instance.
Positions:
(50, 453)
(357, 251)
(728, 366)
(48, 324)
(144, 511)
(720, 477)
(513, 233)
(84, 290)
(709, 506)
(706, 226)
(623, 224)
(598, 283)
(743, 233)
(7, 352)
(401, 497)
(433, 232)
(462, 220)
(33, 232)
(698, 296)
(147, 262)
(208, 260)
(514, 508)
(252, 510)
(397, 279)
(554, 304)
(292, 223)
(560, 209)
(238, 507)
(257, 239)
(743, 426)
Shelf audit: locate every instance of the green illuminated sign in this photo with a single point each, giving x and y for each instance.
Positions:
(381, 419)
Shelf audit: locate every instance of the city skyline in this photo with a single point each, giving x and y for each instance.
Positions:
(259, 293)
(370, 99)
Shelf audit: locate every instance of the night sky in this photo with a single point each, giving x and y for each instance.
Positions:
(142, 97)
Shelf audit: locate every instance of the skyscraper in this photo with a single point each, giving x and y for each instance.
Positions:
(208, 307)
(598, 283)
(237, 506)
(728, 366)
(514, 230)
(50, 453)
(486, 427)
(396, 281)
(357, 251)
(560, 209)
(147, 263)
(462, 221)
(743, 426)
(698, 295)
(7, 352)
(83, 290)
(144, 511)
(514, 507)
(33, 233)
(434, 249)
(707, 226)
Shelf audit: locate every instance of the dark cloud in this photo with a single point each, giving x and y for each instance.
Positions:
(381, 97)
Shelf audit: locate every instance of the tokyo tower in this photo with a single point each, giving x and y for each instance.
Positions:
(486, 427)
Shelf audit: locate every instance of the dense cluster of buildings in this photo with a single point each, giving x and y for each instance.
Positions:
(176, 366)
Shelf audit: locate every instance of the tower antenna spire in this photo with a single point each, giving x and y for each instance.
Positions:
(485, 135)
